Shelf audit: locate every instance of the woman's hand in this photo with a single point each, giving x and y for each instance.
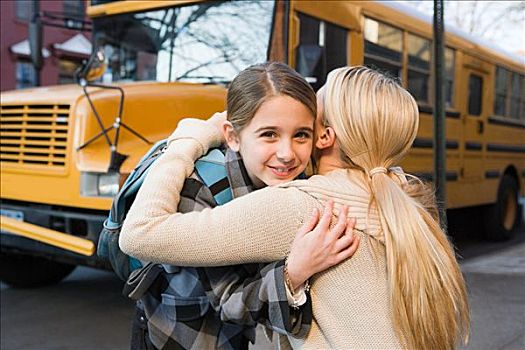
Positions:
(218, 120)
(316, 247)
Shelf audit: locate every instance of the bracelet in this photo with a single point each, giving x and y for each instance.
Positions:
(287, 277)
(288, 282)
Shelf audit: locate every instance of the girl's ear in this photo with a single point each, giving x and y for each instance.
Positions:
(325, 138)
(231, 136)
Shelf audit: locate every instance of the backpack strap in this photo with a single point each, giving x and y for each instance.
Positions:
(212, 170)
(133, 183)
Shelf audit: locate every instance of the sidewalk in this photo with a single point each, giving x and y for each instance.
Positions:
(496, 286)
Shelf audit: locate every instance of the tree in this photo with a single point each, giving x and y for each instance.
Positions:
(501, 22)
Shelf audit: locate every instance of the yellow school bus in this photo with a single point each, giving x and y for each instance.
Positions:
(165, 60)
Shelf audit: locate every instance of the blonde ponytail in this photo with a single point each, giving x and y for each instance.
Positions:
(376, 121)
(427, 290)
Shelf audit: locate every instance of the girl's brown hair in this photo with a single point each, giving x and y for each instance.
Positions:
(258, 83)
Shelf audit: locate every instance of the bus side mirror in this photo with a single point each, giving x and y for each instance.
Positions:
(94, 68)
(311, 64)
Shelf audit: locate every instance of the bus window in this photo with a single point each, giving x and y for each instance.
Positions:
(202, 42)
(475, 94)
(501, 92)
(336, 45)
(418, 67)
(383, 47)
(515, 96)
(309, 33)
(326, 46)
(450, 55)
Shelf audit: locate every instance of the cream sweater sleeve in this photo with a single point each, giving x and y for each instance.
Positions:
(258, 227)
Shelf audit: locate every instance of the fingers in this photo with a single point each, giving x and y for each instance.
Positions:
(218, 119)
(324, 223)
(343, 243)
(341, 224)
(350, 225)
(347, 253)
(309, 224)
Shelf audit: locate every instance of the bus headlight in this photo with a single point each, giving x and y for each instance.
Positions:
(99, 184)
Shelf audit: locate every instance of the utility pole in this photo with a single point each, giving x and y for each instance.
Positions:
(440, 179)
(35, 40)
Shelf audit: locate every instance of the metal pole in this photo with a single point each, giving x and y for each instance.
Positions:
(35, 40)
(440, 179)
(172, 41)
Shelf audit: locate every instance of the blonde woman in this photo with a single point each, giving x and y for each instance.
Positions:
(402, 288)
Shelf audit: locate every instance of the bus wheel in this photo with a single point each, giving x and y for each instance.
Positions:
(502, 217)
(24, 271)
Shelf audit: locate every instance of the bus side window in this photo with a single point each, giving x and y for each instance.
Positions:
(383, 47)
(475, 94)
(322, 47)
(515, 92)
(418, 67)
(450, 65)
(500, 100)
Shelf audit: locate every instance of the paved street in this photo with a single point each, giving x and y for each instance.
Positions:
(496, 285)
(86, 311)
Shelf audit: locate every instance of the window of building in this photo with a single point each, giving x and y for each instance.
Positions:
(515, 92)
(25, 75)
(74, 13)
(475, 94)
(383, 47)
(322, 48)
(23, 9)
(500, 100)
(418, 67)
(450, 60)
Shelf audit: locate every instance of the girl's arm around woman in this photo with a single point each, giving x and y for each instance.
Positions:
(154, 231)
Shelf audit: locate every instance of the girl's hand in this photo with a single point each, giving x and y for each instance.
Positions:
(316, 247)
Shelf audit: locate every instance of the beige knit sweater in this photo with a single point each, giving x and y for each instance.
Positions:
(350, 301)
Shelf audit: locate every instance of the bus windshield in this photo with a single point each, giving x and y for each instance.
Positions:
(206, 42)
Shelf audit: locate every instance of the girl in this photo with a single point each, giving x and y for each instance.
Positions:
(269, 134)
(402, 289)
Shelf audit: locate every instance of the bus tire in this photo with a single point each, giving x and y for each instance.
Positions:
(502, 217)
(24, 271)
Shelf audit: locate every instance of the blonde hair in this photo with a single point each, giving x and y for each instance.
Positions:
(260, 82)
(376, 121)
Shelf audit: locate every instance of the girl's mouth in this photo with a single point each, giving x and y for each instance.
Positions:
(282, 172)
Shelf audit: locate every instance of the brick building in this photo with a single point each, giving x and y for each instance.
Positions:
(66, 42)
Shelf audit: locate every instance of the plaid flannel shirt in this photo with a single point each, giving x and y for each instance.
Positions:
(219, 307)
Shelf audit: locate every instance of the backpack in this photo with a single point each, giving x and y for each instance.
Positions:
(210, 168)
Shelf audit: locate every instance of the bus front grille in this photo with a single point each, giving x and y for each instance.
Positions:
(34, 135)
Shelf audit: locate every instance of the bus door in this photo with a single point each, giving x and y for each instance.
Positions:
(474, 118)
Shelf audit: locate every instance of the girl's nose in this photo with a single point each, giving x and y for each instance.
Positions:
(285, 153)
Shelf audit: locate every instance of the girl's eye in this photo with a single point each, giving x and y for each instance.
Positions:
(269, 134)
(303, 135)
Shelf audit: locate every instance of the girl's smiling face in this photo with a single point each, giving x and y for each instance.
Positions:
(276, 144)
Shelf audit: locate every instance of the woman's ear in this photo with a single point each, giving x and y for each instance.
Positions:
(325, 138)
(231, 136)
